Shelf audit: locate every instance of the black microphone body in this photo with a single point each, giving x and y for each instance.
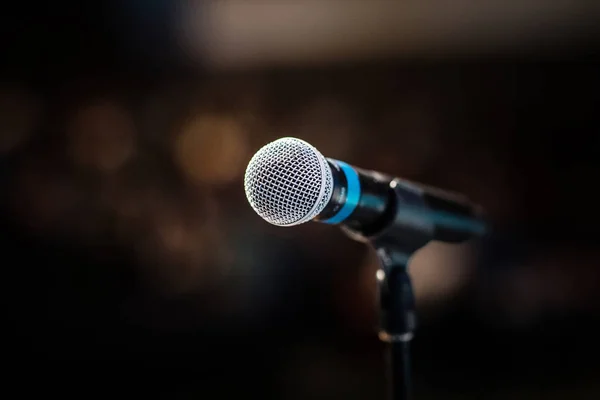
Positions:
(382, 203)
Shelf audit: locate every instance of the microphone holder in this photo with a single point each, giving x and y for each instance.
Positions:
(395, 245)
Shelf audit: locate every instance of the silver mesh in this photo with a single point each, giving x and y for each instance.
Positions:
(288, 182)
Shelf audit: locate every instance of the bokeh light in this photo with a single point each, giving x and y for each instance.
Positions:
(101, 136)
(211, 149)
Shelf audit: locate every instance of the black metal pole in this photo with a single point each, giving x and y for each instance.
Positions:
(398, 365)
(398, 321)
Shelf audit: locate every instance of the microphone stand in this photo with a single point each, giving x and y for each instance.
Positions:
(395, 245)
(397, 320)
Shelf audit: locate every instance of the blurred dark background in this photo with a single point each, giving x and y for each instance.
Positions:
(132, 263)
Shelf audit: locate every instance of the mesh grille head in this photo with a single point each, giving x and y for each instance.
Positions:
(288, 182)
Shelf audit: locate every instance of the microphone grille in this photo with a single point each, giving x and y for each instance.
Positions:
(288, 182)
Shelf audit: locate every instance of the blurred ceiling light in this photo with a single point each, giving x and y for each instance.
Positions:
(101, 136)
(19, 112)
(241, 33)
(212, 149)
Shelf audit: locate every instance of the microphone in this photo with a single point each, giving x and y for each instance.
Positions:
(289, 182)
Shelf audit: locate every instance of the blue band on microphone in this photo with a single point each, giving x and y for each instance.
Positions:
(352, 195)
